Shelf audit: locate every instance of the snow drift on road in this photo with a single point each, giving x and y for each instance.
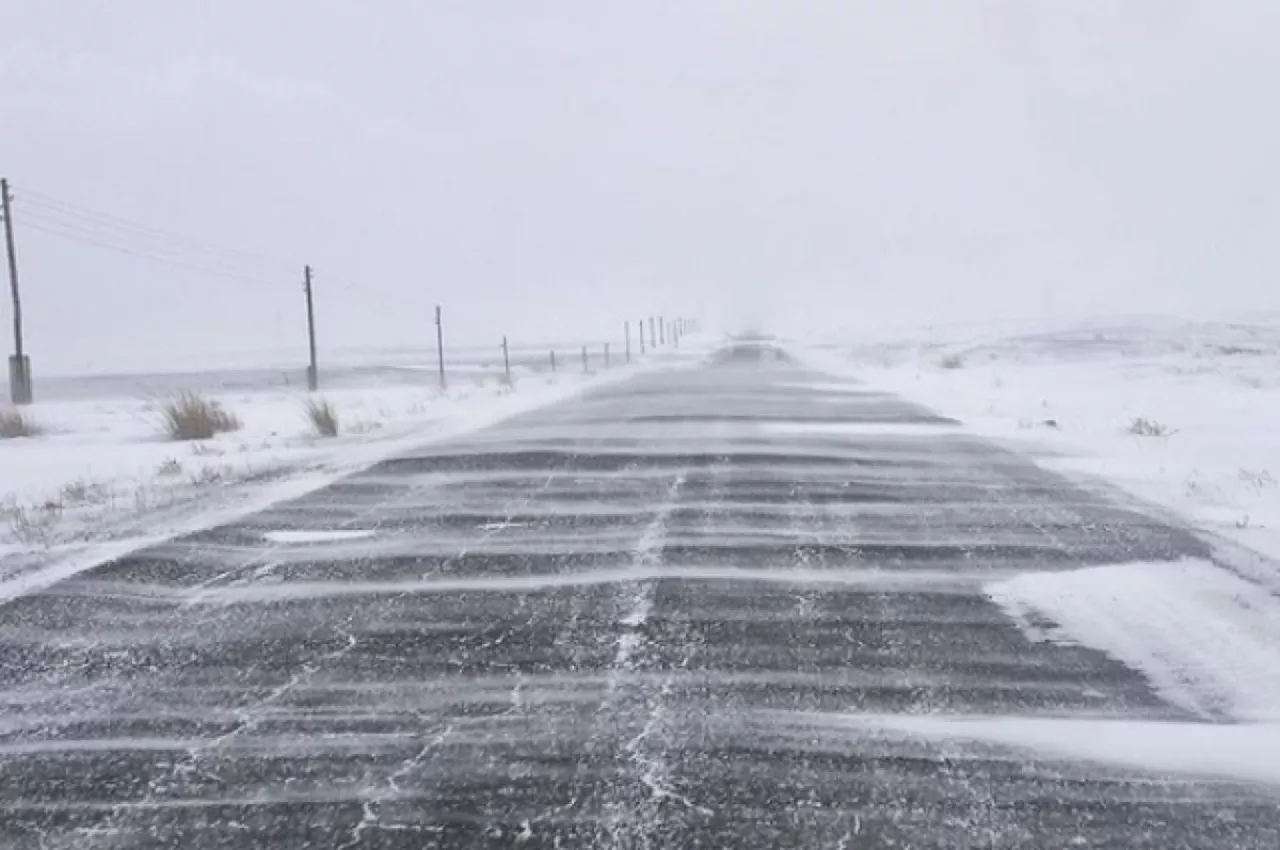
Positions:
(1243, 752)
(1208, 640)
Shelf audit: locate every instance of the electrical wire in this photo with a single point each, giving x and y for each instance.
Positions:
(226, 263)
(126, 227)
(25, 223)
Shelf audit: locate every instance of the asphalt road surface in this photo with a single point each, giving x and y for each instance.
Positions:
(635, 620)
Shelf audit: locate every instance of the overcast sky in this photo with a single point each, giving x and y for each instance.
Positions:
(550, 168)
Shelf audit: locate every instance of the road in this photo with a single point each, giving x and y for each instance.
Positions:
(634, 620)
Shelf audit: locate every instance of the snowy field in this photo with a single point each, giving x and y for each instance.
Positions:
(1177, 417)
(103, 477)
(1179, 414)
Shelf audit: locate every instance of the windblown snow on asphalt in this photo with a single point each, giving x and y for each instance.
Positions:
(1207, 639)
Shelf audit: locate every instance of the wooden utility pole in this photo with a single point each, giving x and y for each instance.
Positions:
(506, 360)
(313, 372)
(640, 325)
(553, 362)
(19, 365)
(440, 347)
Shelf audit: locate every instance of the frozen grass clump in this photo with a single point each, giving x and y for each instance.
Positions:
(192, 416)
(1143, 427)
(323, 416)
(15, 423)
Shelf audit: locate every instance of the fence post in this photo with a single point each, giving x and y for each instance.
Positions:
(19, 362)
(313, 371)
(440, 347)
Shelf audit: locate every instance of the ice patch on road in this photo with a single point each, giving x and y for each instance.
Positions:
(1208, 640)
(1245, 752)
(636, 604)
(851, 387)
(863, 429)
(316, 536)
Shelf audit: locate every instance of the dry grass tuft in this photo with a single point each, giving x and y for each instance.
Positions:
(192, 416)
(323, 416)
(1143, 427)
(169, 468)
(15, 423)
(84, 491)
(32, 525)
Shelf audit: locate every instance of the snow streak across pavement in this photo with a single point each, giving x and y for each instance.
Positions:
(648, 618)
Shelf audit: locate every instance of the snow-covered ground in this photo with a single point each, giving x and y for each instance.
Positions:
(103, 478)
(1208, 393)
(1178, 416)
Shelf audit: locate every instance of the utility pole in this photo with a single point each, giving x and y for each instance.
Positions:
(626, 328)
(506, 360)
(653, 339)
(606, 355)
(19, 365)
(553, 361)
(640, 326)
(313, 373)
(586, 361)
(662, 330)
(440, 347)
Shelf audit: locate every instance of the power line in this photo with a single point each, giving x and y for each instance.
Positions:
(56, 207)
(227, 264)
(161, 244)
(179, 263)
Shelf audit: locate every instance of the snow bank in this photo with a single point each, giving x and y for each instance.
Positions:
(1242, 752)
(1207, 640)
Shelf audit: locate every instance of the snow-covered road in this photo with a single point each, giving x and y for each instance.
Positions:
(743, 604)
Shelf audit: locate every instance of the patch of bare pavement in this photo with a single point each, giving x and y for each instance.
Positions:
(633, 620)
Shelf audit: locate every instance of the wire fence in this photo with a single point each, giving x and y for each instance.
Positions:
(312, 362)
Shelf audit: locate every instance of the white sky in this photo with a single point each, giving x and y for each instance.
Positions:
(551, 168)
